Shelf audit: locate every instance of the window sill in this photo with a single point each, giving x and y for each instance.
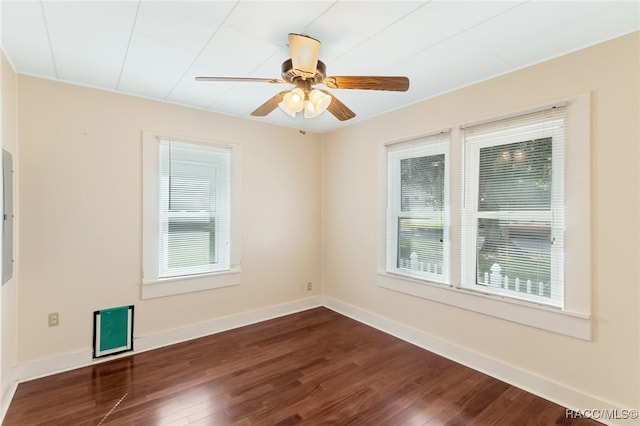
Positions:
(189, 284)
(547, 318)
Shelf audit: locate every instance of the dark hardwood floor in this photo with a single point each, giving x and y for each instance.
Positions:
(314, 367)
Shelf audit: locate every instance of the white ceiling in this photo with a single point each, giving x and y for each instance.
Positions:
(155, 49)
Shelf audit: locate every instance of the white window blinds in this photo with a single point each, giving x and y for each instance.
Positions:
(417, 240)
(193, 209)
(513, 215)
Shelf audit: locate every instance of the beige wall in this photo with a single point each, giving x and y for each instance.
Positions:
(9, 297)
(79, 184)
(608, 367)
(80, 224)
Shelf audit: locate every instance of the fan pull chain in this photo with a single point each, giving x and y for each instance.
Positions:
(302, 130)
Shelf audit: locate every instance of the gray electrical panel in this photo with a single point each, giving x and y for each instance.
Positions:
(7, 216)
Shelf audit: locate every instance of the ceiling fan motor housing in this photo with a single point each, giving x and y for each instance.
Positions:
(290, 75)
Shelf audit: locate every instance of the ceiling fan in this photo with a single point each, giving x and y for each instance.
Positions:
(305, 70)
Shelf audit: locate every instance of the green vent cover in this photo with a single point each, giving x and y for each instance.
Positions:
(112, 331)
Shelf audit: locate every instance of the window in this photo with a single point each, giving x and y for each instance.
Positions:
(194, 209)
(513, 217)
(417, 210)
(516, 240)
(189, 239)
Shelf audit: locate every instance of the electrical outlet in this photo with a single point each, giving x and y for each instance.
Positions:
(309, 286)
(54, 319)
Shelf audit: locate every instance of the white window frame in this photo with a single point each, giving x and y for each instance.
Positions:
(574, 318)
(217, 161)
(555, 215)
(229, 274)
(437, 144)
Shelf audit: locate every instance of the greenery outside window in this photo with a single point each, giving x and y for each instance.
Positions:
(513, 220)
(516, 241)
(417, 209)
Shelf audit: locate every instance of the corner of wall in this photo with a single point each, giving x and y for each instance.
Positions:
(9, 290)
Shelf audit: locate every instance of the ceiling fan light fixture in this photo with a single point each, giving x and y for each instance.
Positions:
(304, 70)
(293, 102)
(284, 108)
(316, 104)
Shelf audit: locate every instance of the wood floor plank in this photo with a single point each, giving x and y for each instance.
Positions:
(311, 368)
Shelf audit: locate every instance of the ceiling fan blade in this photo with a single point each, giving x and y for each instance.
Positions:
(338, 109)
(242, 79)
(304, 53)
(395, 84)
(270, 105)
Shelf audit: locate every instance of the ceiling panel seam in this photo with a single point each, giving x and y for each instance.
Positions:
(383, 29)
(204, 47)
(50, 40)
(464, 30)
(126, 54)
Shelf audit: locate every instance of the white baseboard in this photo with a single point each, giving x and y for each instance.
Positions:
(526, 380)
(218, 325)
(72, 360)
(9, 387)
(543, 387)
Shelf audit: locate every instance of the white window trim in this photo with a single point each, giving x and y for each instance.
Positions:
(435, 144)
(471, 214)
(575, 319)
(154, 287)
